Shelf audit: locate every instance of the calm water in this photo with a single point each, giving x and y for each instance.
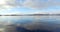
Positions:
(14, 19)
(32, 22)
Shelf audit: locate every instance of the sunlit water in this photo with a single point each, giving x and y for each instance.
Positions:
(38, 22)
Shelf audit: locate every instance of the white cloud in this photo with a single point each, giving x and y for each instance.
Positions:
(30, 3)
(9, 12)
(39, 4)
(2, 2)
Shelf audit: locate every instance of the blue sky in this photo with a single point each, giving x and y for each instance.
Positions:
(29, 6)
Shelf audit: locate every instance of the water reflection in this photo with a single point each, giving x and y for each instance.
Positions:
(31, 23)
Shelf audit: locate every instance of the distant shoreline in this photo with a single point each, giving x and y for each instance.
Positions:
(33, 15)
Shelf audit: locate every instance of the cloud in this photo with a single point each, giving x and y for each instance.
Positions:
(9, 12)
(41, 4)
(3, 5)
(37, 4)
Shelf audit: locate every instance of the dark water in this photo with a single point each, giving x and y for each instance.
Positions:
(32, 23)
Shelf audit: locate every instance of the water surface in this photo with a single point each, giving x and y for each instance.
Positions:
(32, 22)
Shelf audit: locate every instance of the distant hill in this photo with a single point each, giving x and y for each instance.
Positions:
(32, 15)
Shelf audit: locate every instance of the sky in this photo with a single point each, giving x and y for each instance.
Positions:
(29, 6)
